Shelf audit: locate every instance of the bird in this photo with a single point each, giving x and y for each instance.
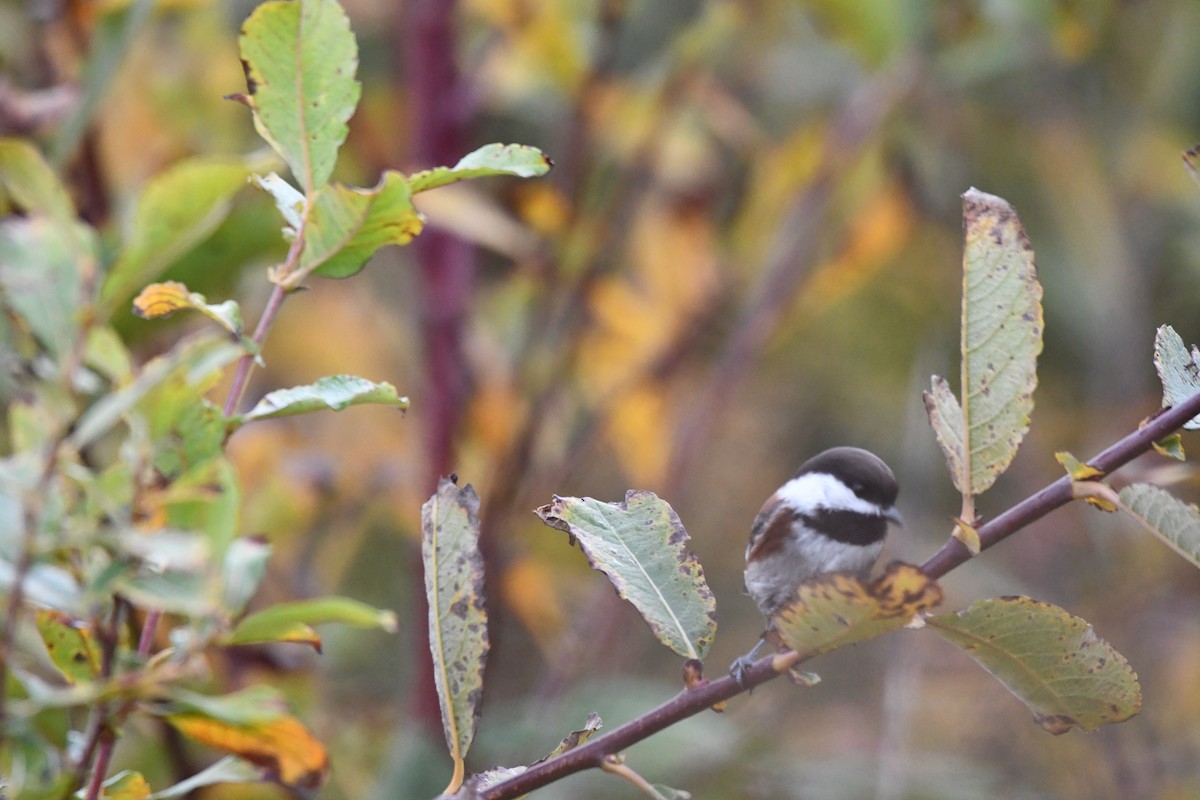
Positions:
(831, 516)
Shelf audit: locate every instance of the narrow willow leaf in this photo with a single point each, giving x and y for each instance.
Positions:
(30, 184)
(280, 622)
(301, 58)
(194, 360)
(45, 269)
(520, 160)
(334, 392)
(283, 747)
(1178, 369)
(1001, 340)
(1053, 662)
(164, 299)
(346, 225)
(230, 769)
(1175, 522)
(258, 703)
(458, 636)
(642, 547)
(177, 210)
(836, 609)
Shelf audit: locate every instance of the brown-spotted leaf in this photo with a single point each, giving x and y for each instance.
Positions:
(1001, 339)
(164, 299)
(71, 645)
(283, 747)
(1053, 662)
(458, 635)
(642, 547)
(837, 609)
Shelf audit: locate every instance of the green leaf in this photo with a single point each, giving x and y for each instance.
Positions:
(641, 546)
(45, 268)
(280, 622)
(346, 225)
(1001, 339)
(30, 184)
(332, 392)
(177, 210)
(1171, 447)
(301, 58)
(164, 299)
(520, 160)
(1173, 521)
(1178, 370)
(230, 769)
(1076, 470)
(257, 703)
(458, 635)
(836, 609)
(1053, 662)
(193, 360)
(243, 570)
(71, 645)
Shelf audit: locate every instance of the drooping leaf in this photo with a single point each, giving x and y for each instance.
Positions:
(177, 210)
(575, 738)
(334, 392)
(71, 645)
(230, 769)
(520, 160)
(291, 622)
(1001, 340)
(283, 747)
(641, 546)
(290, 202)
(1053, 662)
(458, 635)
(836, 609)
(254, 704)
(164, 299)
(243, 569)
(1178, 369)
(194, 360)
(1170, 519)
(301, 58)
(45, 268)
(30, 184)
(346, 225)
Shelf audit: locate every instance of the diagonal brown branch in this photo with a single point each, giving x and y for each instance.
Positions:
(953, 554)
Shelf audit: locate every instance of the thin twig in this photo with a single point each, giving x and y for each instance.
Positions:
(953, 554)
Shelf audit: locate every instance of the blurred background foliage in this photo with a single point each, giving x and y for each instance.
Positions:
(749, 250)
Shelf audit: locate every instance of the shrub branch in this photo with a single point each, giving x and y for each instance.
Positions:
(692, 701)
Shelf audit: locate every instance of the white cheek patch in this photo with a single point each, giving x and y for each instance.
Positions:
(815, 490)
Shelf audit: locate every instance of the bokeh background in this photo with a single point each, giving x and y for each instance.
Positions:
(749, 250)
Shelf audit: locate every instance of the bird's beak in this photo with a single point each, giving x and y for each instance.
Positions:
(892, 515)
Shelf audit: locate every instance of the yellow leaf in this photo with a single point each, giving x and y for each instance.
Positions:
(837, 609)
(71, 645)
(1076, 469)
(285, 748)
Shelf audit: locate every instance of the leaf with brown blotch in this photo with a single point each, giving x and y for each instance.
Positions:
(641, 546)
(1001, 339)
(458, 635)
(1052, 661)
(836, 609)
(164, 299)
(283, 747)
(71, 645)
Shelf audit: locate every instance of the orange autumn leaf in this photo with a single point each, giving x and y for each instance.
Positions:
(282, 746)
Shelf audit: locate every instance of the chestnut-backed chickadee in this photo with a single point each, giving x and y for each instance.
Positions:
(832, 516)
